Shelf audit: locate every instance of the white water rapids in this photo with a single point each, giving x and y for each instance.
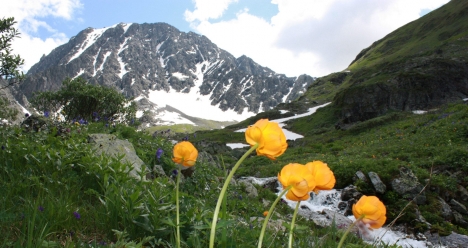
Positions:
(329, 199)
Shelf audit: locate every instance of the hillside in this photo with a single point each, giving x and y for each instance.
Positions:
(417, 67)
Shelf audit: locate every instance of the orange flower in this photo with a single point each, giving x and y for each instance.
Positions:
(372, 210)
(324, 178)
(269, 136)
(265, 213)
(301, 180)
(185, 154)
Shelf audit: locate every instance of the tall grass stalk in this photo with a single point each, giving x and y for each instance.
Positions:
(292, 224)
(270, 211)
(177, 208)
(223, 192)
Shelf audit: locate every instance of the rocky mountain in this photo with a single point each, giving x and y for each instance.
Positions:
(159, 65)
(419, 66)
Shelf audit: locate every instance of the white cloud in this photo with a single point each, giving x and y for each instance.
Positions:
(316, 37)
(27, 14)
(207, 9)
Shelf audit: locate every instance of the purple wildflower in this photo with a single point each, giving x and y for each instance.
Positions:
(26, 115)
(46, 114)
(174, 172)
(159, 152)
(3, 147)
(41, 208)
(77, 215)
(81, 121)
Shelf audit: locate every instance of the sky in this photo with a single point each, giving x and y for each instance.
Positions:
(292, 37)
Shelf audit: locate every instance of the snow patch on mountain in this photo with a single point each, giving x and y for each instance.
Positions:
(90, 39)
(194, 104)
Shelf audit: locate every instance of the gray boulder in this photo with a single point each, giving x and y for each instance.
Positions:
(378, 184)
(445, 209)
(248, 188)
(328, 217)
(452, 240)
(457, 206)
(463, 193)
(408, 186)
(459, 220)
(360, 176)
(109, 145)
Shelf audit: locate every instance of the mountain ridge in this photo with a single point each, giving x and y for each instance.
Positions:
(138, 59)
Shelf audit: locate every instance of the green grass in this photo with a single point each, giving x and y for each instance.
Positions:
(48, 178)
(433, 141)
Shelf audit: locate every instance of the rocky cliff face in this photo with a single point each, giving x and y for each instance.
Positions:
(419, 66)
(138, 59)
(422, 85)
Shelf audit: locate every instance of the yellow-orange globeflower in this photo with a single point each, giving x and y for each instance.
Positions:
(324, 177)
(269, 136)
(185, 154)
(265, 213)
(372, 211)
(301, 180)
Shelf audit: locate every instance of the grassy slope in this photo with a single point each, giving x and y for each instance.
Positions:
(433, 141)
(57, 193)
(422, 37)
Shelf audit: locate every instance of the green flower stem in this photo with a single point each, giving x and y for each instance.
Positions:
(270, 211)
(292, 224)
(347, 231)
(177, 208)
(223, 192)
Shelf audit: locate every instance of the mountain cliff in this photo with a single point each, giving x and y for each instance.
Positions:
(419, 66)
(160, 65)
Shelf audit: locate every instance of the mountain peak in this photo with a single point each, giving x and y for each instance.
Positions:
(147, 60)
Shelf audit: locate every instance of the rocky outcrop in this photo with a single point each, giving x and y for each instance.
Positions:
(408, 187)
(109, 145)
(421, 85)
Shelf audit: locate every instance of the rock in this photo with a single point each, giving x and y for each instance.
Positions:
(327, 217)
(452, 240)
(342, 205)
(459, 220)
(407, 186)
(156, 172)
(35, 123)
(360, 176)
(458, 207)
(109, 145)
(378, 184)
(270, 183)
(350, 192)
(421, 219)
(445, 209)
(463, 193)
(204, 157)
(248, 188)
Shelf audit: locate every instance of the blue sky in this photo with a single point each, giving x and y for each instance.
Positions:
(103, 13)
(294, 37)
